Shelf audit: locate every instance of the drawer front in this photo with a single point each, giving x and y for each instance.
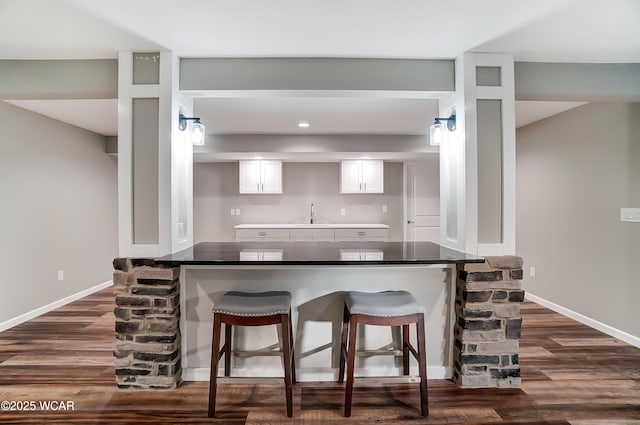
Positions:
(364, 234)
(262, 234)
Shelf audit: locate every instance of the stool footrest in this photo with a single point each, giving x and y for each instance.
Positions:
(241, 380)
(369, 353)
(253, 353)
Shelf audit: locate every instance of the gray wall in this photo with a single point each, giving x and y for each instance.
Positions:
(59, 210)
(574, 172)
(59, 79)
(215, 192)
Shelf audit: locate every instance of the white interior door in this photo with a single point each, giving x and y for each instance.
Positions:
(423, 201)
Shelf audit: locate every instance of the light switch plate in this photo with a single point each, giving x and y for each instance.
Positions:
(233, 211)
(630, 214)
(343, 211)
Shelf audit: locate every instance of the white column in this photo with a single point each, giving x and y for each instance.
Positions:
(478, 160)
(155, 197)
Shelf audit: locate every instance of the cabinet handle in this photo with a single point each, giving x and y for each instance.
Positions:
(258, 189)
(362, 233)
(262, 186)
(262, 233)
(365, 187)
(360, 187)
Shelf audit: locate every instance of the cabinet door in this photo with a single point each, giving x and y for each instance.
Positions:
(312, 235)
(372, 176)
(350, 255)
(373, 255)
(250, 255)
(351, 176)
(271, 177)
(250, 176)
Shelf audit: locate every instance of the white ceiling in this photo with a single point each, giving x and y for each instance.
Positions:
(532, 30)
(540, 30)
(325, 115)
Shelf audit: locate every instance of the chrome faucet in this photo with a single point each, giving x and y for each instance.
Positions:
(312, 219)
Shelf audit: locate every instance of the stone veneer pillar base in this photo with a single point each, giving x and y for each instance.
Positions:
(488, 322)
(147, 354)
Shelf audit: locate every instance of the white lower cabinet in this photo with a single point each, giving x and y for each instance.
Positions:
(261, 255)
(327, 234)
(361, 255)
(311, 235)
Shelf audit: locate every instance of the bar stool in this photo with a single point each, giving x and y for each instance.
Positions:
(390, 308)
(251, 309)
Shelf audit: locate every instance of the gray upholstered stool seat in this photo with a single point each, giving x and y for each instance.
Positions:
(384, 304)
(254, 303)
(398, 309)
(236, 308)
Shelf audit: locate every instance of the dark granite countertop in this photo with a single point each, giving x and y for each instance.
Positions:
(317, 253)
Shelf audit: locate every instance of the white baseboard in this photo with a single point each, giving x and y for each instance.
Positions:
(609, 330)
(310, 375)
(52, 306)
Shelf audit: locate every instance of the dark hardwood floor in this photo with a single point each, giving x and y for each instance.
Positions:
(571, 374)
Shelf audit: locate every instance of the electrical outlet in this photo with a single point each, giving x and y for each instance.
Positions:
(233, 211)
(237, 211)
(532, 271)
(343, 211)
(384, 208)
(630, 214)
(60, 275)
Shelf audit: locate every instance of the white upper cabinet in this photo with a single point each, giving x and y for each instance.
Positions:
(261, 176)
(362, 176)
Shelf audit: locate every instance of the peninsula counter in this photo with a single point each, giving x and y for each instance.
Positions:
(154, 295)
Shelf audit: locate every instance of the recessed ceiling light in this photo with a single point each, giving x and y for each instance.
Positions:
(303, 124)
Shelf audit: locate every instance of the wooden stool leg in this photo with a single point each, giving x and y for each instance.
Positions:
(227, 349)
(422, 365)
(293, 352)
(215, 356)
(405, 349)
(351, 361)
(343, 344)
(286, 348)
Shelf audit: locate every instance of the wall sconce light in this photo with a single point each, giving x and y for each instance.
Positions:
(197, 128)
(438, 131)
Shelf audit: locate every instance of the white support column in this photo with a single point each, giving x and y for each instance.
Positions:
(155, 159)
(477, 163)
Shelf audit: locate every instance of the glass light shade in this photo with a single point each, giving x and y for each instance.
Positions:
(197, 134)
(436, 133)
